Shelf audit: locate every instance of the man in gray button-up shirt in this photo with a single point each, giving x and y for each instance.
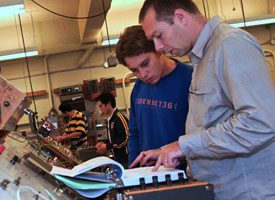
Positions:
(230, 128)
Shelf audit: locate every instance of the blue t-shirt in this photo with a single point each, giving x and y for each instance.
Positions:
(158, 112)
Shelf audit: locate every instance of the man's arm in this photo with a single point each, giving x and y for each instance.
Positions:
(78, 132)
(121, 132)
(72, 135)
(133, 145)
(65, 136)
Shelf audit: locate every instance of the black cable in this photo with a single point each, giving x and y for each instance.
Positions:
(104, 56)
(204, 9)
(107, 30)
(71, 17)
(244, 20)
(27, 62)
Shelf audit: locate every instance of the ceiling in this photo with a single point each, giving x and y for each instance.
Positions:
(51, 33)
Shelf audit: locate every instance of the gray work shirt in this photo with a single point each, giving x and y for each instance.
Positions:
(231, 121)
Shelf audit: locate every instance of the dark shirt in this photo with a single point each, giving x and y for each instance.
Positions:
(118, 132)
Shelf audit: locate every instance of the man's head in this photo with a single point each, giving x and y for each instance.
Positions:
(106, 103)
(138, 53)
(173, 25)
(66, 109)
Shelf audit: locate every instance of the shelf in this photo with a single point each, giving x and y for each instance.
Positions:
(36, 93)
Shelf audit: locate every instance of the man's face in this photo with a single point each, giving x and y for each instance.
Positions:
(103, 108)
(66, 114)
(169, 39)
(147, 67)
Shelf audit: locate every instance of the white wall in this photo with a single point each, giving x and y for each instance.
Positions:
(16, 73)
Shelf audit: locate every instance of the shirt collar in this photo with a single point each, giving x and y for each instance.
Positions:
(74, 114)
(109, 118)
(204, 37)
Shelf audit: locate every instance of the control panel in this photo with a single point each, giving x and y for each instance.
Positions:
(12, 105)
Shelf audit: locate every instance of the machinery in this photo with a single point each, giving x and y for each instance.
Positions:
(180, 189)
(74, 96)
(12, 105)
(190, 190)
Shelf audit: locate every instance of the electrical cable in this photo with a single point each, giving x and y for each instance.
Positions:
(52, 196)
(33, 31)
(27, 62)
(268, 7)
(18, 41)
(208, 12)
(234, 7)
(244, 20)
(28, 188)
(204, 9)
(223, 16)
(71, 17)
(128, 74)
(107, 30)
(17, 31)
(103, 49)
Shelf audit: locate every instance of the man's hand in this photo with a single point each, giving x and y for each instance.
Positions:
(147, 158)
(101, 148)
(60, 138)
(169, 156)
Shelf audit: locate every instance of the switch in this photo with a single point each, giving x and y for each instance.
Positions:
(168, 179)
(142, 183)
(7, 103)
(181, 178)
(155, 181)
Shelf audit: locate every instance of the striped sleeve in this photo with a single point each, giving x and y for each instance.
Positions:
(126, 130)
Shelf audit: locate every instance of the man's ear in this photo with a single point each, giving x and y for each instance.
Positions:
(180, 16)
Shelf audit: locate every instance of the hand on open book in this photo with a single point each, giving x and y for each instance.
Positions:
(169, 156)
(94, 184)
(146, 158)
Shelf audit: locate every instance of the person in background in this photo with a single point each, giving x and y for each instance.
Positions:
(76, 128)
(159, 99)
(118, 129)
(230, 127)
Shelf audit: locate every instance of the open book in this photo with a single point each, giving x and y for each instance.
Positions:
(93, 184)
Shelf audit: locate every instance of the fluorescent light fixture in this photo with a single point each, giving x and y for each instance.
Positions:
(263, 20)
(18, 55)
(112, 42)
(11, 7)
(11, 10)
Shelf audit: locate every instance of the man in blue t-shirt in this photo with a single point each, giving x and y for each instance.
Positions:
(159, 100)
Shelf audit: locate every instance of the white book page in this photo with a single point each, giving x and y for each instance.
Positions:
(86, 166)
(61, 171)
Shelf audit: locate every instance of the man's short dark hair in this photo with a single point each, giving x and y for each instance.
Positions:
(165, 9)
(107, 97)
(133, 42)
(64, 107)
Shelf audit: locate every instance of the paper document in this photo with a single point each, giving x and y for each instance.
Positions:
(93, 184)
